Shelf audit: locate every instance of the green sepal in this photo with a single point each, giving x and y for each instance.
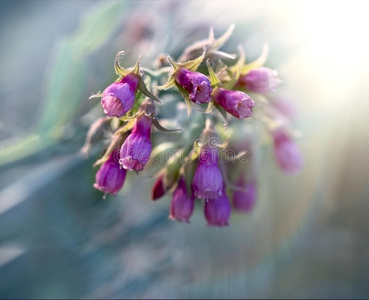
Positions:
(142, 87)
(116, 142)
(97, 95)
(185, 96)
(192, 65)
(257, 63)
(234, 72)
(210, 107)
(222, 112)
(188, 172)
(226, 143)
(170, 83)
(196, 150)
(213, 77)
(120, 71)
(156, 123)
(240, 63)
(136, 68)
(175, 65)
(128, 117)
(126, 127)
(219, 42)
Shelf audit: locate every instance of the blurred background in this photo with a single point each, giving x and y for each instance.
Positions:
(307, 236)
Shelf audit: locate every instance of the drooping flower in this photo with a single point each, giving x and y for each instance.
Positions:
(260, 80)
(196, 84)
(286, 152)
(136, 149)
(244, 200)
(208, 182)
(118, 98)
(158, 189)
(218, 211)
(236, 103)
(110, 177)
(181, 206)
(284, 106)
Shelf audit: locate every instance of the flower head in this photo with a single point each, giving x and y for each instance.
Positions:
(207, 182)
(245, 200)
(118, 98)
(136, 149)
(196, 84)
(110, 177)
(287, 154)
(237, 103)
(182, 204)
(260, 80)
(218, 211)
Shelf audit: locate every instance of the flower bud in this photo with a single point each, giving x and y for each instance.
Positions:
(287, 154)
(208, 182)
(260, 80)
(196, 84)
(236, 103)
(136, 149)
(245, 200)
(118, 98)
(182, 204)
(158, 189)
(110, 177)
(218, 211)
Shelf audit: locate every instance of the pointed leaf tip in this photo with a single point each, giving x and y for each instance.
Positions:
(142, 87)
(118, 69)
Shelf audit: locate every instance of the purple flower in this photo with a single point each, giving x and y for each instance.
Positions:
(261, 80)
(208, 182)
(158, 189)
(118, 98)
(110, 177)
(287, 154)
(218, 211)
(285, 106)
(196, 84)
(136, 149)
(245, 200)
(181, 207)
(237, 103)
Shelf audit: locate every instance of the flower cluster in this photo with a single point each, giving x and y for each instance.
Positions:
(216, 94)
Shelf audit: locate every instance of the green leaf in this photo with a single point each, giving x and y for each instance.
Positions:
(66, 78)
